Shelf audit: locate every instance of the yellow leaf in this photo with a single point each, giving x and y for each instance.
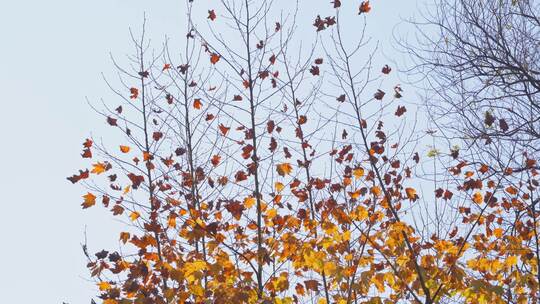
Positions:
(110, 301)
(358, 173)
(249, 202)
(330, 268)
(104, 286)
(279, 186)
(284, 169)
(126, 189)
(498, 232)
(271, 213)
(89, 200)
(99, 168)
(511, 261)
(124, 149)
(134, 215)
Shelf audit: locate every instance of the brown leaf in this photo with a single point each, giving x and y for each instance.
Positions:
(212, 15)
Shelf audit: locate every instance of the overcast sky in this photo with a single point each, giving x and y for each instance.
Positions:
(52, 54)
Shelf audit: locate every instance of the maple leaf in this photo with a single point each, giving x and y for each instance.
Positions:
(224, 130)
(400, 111)
(134, 216)
(104, 286)
(214, 58)
(503, 125)
(315, 71)
(99, 168)
(411, 194)
(112, 121)
(157, 136)
(166, 66)
(88, 143)
(136, 180)
(319, 61)
(215, 160)
(379, 95)
(364, 7)
(237, 98)
(358, 172)
(477, 197)
(124, 149)
(272, 59)
(337, 3)
(212, 15)
(197, 104)
(124, 237)
(386, 69)
(284, 169)
(134, 93)
(82, 175)
(87, 153)
(89, 200)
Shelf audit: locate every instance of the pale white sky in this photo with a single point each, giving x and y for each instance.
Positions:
(52, 54)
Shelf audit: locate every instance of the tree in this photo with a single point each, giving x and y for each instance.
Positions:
(267, 172)
(479, 60)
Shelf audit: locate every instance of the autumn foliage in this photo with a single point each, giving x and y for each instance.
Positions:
(256, 172)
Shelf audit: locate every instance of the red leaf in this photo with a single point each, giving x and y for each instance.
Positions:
(386, 69)
(315, 71)
(319, 61)
(341, 98)
(237, 98)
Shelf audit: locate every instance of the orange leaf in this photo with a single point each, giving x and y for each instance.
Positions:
(124, 237)
(99, 168)
(411, 194)
(214, 58)
(124, 149)
(197, 104)
(511, 190)
(364, 7)
(134, 216)
(477, 198)
(166, 67)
